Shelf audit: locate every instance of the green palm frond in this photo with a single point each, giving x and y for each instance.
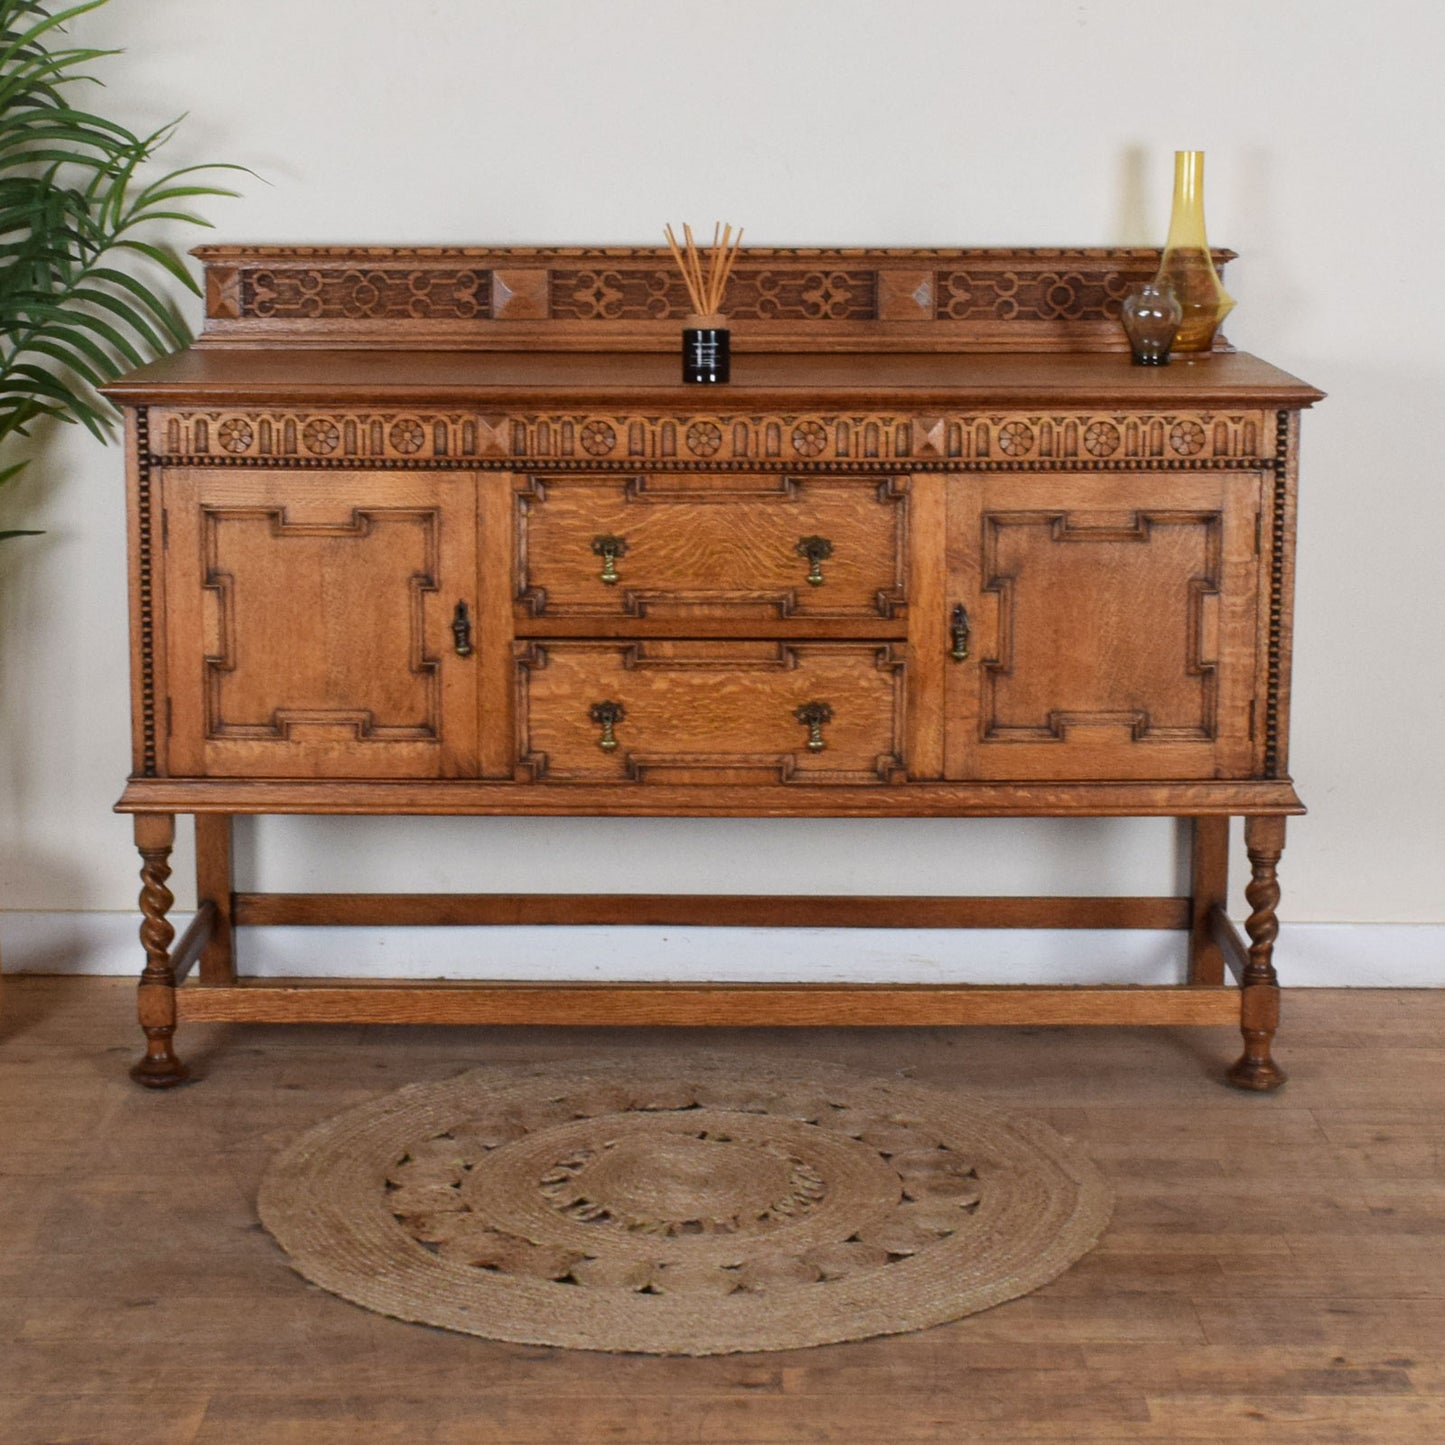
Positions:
(85, 288)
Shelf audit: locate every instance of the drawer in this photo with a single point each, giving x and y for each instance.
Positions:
(710, 712)
(710, 546)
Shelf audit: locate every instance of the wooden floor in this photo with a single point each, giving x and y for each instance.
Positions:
(1275, 1270)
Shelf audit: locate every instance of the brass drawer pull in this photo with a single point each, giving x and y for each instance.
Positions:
(817, 550)
(462, 630)
(607, 715)
(813, 715)
(960, 633)
(609, 548)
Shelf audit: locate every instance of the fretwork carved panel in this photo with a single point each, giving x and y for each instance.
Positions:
(1004, 293)
(574, 297)
(357, 293)
(772, 293)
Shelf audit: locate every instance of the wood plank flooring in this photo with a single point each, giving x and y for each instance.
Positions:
(1275, 1270)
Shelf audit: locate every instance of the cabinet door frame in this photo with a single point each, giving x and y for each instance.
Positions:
(310, 741)
(1117, 510)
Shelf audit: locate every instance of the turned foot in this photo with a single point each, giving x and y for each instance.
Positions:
(159, 1068)
(1255, 1069)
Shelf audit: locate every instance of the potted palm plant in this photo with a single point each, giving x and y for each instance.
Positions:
(85, 275)
(85, 280)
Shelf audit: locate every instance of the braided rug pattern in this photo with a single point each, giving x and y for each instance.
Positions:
(684, 1206)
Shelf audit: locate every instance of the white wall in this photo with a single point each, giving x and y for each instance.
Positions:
(811, 122)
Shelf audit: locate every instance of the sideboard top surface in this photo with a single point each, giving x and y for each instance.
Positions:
(299, 376)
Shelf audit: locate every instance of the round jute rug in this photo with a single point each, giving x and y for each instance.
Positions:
(694, 1205)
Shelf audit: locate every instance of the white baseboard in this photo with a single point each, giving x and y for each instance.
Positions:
(1310, 955)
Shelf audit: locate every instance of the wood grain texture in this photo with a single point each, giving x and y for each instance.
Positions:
(711, 713)
(698, 546)
(214, 883)
(276, 1000)
(193, 942)
(706, 910)
(531, 382)
(1228, 941)
(1114, 624)
(308, 624)
(1272, 1274)
(1209, 894)
(1095, 798)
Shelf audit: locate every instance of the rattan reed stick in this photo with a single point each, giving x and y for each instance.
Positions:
(705, 269)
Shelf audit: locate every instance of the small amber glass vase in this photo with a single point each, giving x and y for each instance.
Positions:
(1186, 264)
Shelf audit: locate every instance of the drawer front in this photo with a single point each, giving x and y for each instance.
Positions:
(710, 712)
(710, 546)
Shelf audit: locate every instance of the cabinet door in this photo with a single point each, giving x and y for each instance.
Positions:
(1112, 623)
(309, 623)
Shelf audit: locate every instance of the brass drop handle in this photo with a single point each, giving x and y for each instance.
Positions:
(813, 715)
(609, 548)
(960, 633)
(607, 715)
(462, 630)
(817, 550)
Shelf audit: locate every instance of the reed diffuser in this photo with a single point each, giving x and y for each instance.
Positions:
(706, 342)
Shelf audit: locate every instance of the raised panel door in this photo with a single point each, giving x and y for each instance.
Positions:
(1109, 622)
(321, 624)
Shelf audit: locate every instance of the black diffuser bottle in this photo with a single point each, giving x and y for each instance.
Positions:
(706, 350)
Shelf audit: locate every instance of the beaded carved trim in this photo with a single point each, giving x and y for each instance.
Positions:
(1278, 529)
(145, 587)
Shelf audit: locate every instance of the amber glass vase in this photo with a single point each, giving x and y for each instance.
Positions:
(1186, 264)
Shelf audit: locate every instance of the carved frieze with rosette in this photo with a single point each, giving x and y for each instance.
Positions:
(719, 438)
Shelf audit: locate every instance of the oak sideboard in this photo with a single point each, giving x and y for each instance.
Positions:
(440, 531)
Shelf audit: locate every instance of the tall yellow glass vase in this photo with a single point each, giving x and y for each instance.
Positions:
(1186, 263)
